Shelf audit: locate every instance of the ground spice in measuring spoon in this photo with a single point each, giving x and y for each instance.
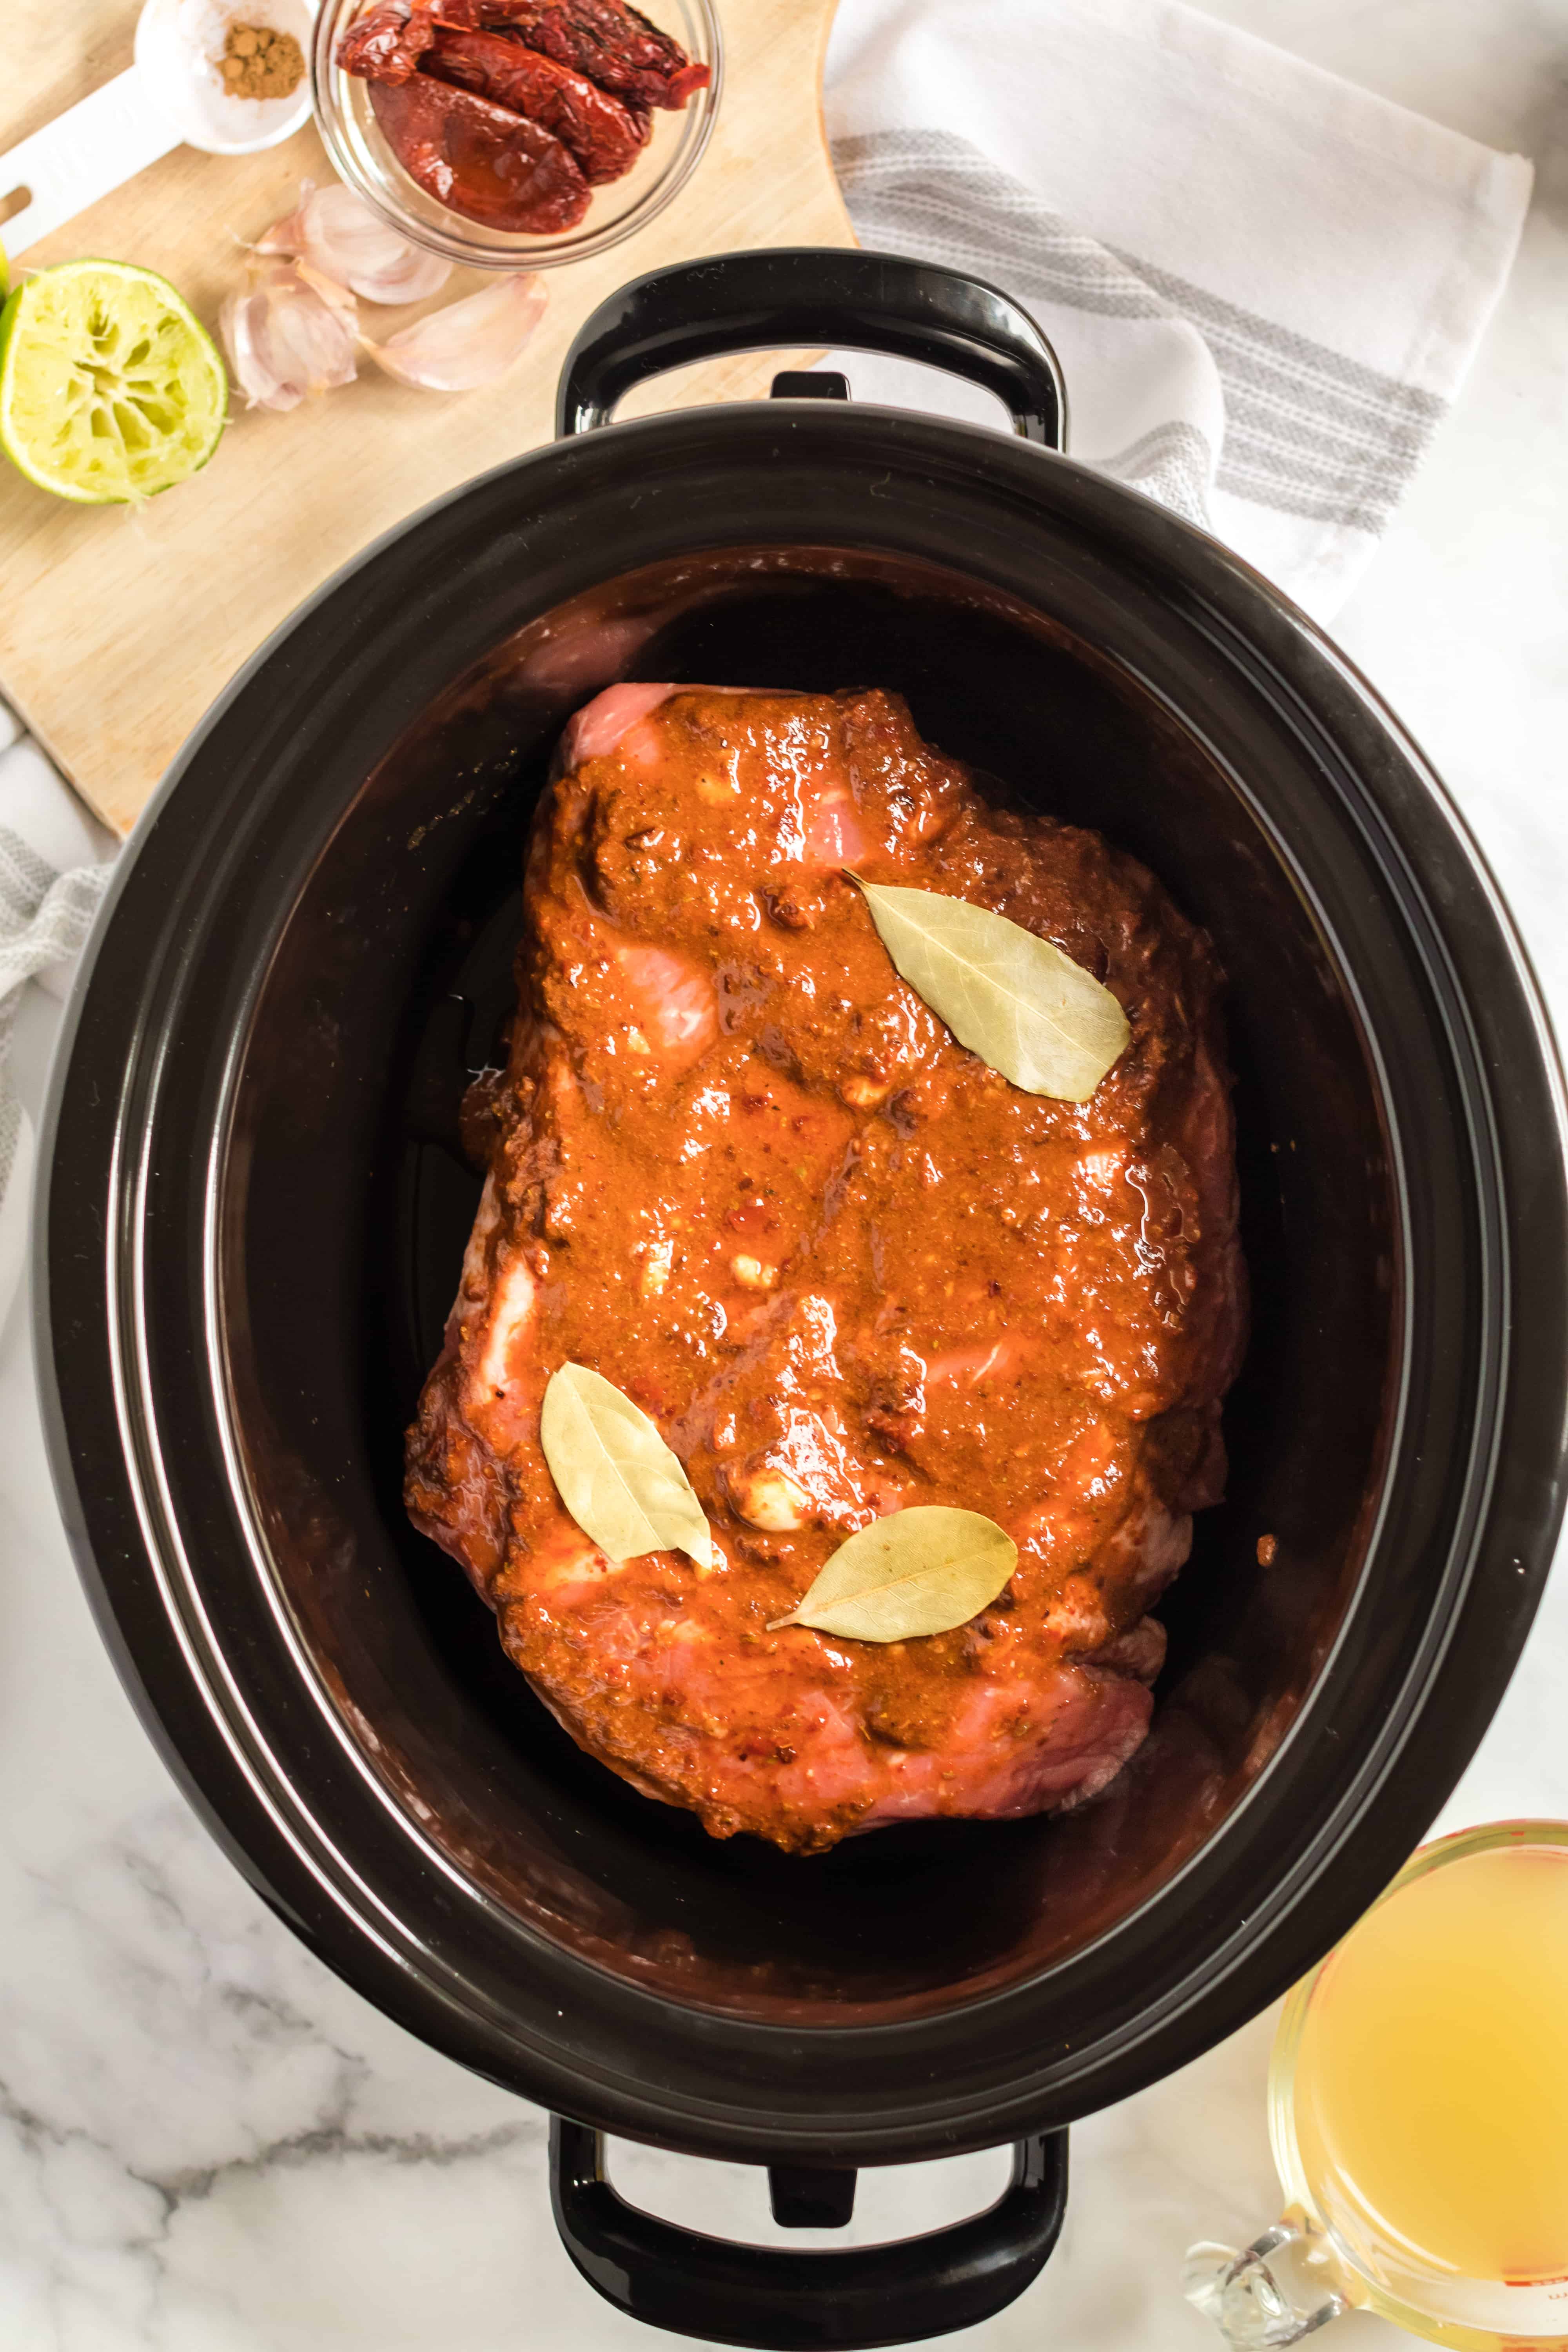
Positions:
(258, 62)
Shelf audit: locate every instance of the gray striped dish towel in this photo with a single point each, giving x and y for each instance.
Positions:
(51, 882)
(1265, 285)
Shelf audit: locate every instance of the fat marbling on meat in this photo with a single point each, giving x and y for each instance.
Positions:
(736, 1166)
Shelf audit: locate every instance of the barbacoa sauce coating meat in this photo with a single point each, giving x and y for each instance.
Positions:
(738, 1168)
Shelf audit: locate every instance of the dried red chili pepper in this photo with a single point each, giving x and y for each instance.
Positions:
(507, 111)
(609, 43)
(605, 134)
(387, 44)
(481, 160)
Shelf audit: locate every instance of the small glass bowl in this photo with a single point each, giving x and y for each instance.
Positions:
(363, 158)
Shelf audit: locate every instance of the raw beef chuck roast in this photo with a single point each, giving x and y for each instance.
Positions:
(739, 1169)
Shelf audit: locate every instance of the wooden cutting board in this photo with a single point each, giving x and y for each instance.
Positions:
(117, 630)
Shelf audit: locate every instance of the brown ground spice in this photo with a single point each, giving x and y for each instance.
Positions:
(257, 62)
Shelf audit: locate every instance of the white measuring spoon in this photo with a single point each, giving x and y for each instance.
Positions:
(170, 96)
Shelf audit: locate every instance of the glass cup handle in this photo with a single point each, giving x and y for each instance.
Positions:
(1283, 2286)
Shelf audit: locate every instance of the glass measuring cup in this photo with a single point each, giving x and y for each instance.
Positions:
(1418, 2112)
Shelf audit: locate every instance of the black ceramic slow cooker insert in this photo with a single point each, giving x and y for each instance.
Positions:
(254, 1203)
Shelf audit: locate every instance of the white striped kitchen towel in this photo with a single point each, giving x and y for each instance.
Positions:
(1265, 285)
(51, 882)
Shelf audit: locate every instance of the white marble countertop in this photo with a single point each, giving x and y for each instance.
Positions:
(209, 2145)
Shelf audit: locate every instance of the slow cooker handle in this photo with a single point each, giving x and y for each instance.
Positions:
(803, 296)
(727, 2293)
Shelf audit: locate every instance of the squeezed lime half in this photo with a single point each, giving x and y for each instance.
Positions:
(111, 388)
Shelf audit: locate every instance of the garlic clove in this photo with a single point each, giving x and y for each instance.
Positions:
(339, 236)
(289, 334)
(467, 344)
(335, 298)
(286, 237)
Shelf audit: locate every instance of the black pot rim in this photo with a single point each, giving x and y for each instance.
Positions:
(186, 1688)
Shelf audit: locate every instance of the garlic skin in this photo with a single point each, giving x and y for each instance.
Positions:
(289, 334)
(469, 344)
(338, 235)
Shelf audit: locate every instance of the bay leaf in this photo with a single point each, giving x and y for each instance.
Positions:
(918, 1571)
(1026, 1008)
(614, 1472)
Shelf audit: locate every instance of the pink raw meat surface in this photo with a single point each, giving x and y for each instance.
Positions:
(740, 1170)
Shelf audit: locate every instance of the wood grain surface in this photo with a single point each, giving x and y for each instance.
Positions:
(117, 629)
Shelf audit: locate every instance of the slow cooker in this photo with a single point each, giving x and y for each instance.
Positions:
(254, 1200)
